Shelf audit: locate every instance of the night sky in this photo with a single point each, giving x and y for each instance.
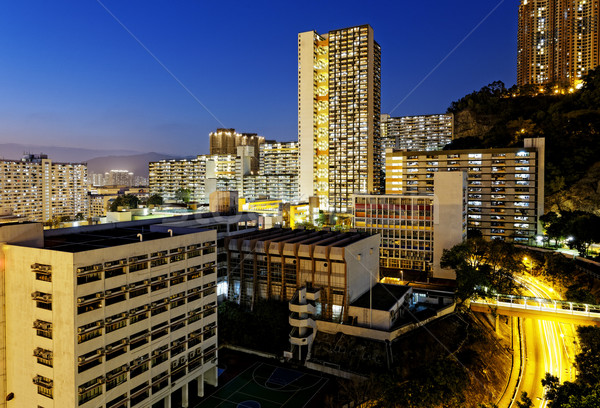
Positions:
(71, 75)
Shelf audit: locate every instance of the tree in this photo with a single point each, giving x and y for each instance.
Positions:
(482, 267)
(155, 199)
(525, 402)
(183, 195)
(588, 360)
(580, 295)
(127, 201)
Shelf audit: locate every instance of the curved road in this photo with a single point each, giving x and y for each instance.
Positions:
(549, 347)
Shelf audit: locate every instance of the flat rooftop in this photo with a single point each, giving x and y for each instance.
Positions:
(103, 238)
(384, 296)
(305, 237)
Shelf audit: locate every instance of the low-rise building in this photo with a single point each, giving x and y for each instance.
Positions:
(275, 263)
(415, 229)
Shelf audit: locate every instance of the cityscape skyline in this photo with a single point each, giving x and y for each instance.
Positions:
(85, 81)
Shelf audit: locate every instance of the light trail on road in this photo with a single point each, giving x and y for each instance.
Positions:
(547, 343)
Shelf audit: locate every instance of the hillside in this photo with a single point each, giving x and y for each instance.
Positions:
(498, 117)
(14, 151)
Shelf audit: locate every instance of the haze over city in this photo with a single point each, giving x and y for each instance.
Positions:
(73, 76)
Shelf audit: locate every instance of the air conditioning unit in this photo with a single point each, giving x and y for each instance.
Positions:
(123, 262)
(106, 293)
(182, 360)
(192, 354)
(99, 294)
(108, 320)
(79, 329)
(79, 300)
(97, 267)
(174, 364)
(47, 297)
(109, 348)
(123, 288)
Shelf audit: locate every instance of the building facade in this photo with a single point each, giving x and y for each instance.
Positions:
(275, 177)
(557, 41)
(339, 93)
(275, 263)
(505, 185)
(421, 133)
(415, 229)
(38, 189)
(120, 315)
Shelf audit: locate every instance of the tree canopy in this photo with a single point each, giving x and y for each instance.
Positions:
(155, 199)
(126, 201)
(482, 266)
(580, 229)
(183, 195)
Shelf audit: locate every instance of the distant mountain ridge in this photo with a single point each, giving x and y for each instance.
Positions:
(14, 151)
(137, 163)
(98, 160)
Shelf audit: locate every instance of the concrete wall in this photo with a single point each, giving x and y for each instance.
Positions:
(374, 334)
(306, 120)
(362, 260)
(23, 234)
(449, 214)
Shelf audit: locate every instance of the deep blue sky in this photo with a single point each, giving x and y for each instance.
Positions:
(70, 75)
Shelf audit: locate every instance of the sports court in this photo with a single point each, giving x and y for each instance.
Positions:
(264, 385)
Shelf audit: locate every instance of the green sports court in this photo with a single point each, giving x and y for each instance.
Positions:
(264, 385)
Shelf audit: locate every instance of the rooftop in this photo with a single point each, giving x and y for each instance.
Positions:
(102, 238)
(384, 296)
(305, 237)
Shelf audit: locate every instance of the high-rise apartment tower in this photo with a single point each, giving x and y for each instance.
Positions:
(557, 41)
(339, 92)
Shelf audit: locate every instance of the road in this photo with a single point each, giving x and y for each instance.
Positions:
(549, 347)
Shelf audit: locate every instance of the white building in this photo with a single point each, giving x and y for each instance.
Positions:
(118, 315)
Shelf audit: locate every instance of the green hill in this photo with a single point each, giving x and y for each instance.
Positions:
(570, 121)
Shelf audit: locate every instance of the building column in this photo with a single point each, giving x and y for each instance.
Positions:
(185, 403)
(200, 381)
(167, 401)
